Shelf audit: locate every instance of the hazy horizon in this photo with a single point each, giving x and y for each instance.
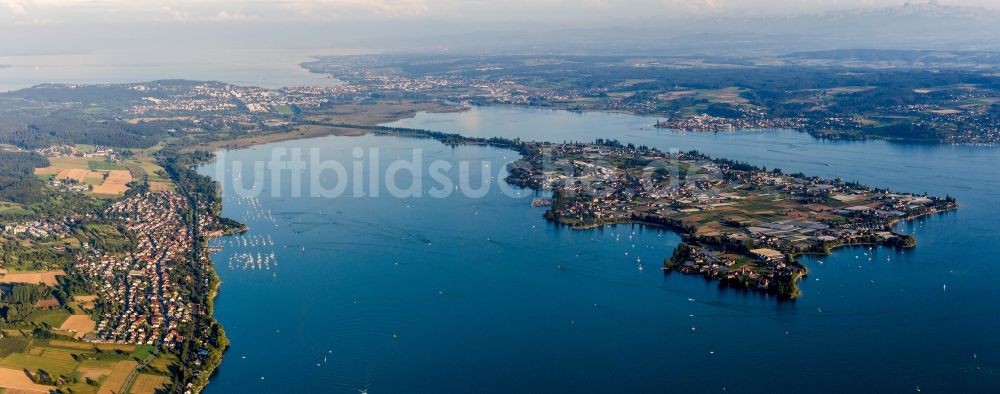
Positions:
(34, 27)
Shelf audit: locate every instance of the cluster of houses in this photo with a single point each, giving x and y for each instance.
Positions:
(400, 83)
(791, 233)
(315, 96)
(56, 151)
(144, 300)
(716, 264)
(705, 122)
(223, 104)
(505, 91)
(499, 89)
(598, 191)
(101, 151)
(39, 229)
(181, 104)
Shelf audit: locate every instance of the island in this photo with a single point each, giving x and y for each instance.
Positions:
(741, 224)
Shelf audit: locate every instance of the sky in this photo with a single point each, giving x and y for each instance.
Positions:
(30, 27)
(556, 12)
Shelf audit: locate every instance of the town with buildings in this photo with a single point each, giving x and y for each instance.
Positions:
(40, 229)
(217, 99)
(706, 122)
(63, 150)
(140, 290)
(482, 85)
(143, 301)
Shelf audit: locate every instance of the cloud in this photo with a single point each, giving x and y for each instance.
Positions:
(220, 16)
(224, 16)
(15, 6)
(35, 22)
(220, 10)
(358, 8)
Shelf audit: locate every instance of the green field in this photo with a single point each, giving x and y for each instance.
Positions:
(13, 208)
(10, 345)
(142, 352)
(56, 357)
(147, 166)
(163, 361)
(95, 110)
(104, 165)
(53, 317)
(54, 365)
(146, 383)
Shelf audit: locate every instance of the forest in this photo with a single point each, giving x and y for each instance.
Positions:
(17, 178)
(31, 129)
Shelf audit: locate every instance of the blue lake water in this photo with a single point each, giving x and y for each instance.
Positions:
(482, 294)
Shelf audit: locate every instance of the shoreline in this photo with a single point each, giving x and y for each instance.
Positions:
(669, 265)
(826, 135)
(209, 370)
(792, 292)
(450, 138)
(795, 292)
(319, 129)
(315, 127)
